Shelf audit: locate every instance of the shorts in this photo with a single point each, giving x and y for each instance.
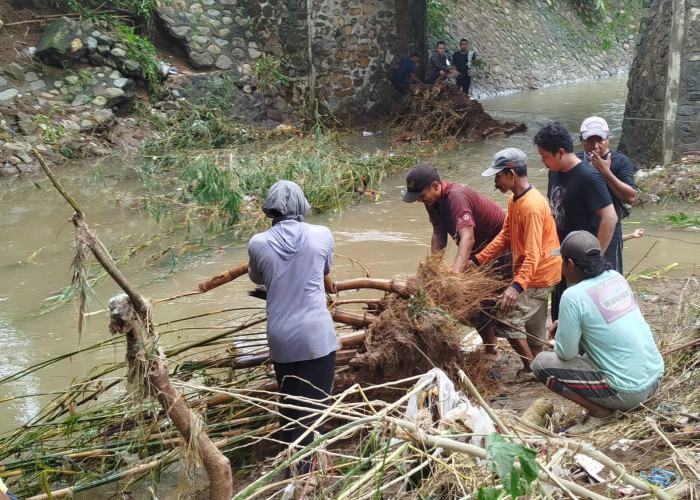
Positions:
(529, 315)
(501, 268)
(580, 375)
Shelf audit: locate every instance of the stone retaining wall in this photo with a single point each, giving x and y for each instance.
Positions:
(534, 43)
(338, 54)
(663, 106)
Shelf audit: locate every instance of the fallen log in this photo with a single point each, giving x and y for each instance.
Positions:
(223, 277)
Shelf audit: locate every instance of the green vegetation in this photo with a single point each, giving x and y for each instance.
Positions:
(681, 219)
(616, 20)
(204, 169)
(500, 455)
(142, 8)
(140, 49)
(269, 70)
(436, 11)
(48, 131)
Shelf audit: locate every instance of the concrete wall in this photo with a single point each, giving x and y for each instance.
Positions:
(663, 104)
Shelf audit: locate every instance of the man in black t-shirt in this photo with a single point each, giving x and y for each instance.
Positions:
(462, 60)
(617, 172)
(406, 73)
(577, 193)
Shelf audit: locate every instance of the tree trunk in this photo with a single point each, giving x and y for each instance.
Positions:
(149, 374)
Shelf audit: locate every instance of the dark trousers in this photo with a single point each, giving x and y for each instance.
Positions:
(464, 81)
(557, 291)
(311, 379)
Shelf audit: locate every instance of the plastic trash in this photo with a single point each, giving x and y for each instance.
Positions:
(659, 476)
(367, 133)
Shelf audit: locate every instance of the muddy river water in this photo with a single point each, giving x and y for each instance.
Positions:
(388, 236)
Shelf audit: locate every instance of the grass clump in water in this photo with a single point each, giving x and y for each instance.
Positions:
(204, 168)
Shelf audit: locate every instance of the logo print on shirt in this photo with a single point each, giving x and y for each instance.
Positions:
(612, 297)
(465, 217)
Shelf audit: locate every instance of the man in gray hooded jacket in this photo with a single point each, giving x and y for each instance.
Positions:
(291, 259)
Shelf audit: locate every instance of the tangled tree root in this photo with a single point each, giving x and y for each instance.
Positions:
(413, 335)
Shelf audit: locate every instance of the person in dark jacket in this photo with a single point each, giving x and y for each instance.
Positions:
(462, 61)
(405, 73)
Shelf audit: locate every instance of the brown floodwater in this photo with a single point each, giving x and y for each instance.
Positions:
(388, 236)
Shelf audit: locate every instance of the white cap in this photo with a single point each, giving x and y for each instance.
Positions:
(594, 125)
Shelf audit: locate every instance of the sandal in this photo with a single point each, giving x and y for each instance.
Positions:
(523, 376)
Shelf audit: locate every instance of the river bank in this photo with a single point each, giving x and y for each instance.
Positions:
(94, 101)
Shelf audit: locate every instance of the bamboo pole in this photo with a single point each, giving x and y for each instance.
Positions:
(352, 318)
(223, 277)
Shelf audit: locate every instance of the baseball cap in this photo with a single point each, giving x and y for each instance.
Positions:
(594, 125)
(506, 158)
(417, 53)
(418, 178)
(579, 246)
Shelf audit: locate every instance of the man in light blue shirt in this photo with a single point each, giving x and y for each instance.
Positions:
(598, 315)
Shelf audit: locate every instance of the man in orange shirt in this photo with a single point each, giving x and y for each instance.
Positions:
(530, 233)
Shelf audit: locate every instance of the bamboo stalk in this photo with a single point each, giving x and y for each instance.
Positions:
(352, 318)
(384, 285)
(223, 277)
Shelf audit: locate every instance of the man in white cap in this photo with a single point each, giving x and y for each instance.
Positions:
(622, 366)
(530, 233)
(617, 172)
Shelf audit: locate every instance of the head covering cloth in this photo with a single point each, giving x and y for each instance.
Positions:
(285, 201)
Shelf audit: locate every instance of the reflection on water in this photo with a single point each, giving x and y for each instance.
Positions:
(389, 237)
(17, 355)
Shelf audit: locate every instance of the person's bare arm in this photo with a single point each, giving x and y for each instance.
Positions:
(439, 240)
(637, 233)
(608, 221)
(466, 242)
(621, 190)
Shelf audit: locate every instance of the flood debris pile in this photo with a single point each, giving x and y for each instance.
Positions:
(676, 180)
(419, 328)
(435, 112)
(217, 392)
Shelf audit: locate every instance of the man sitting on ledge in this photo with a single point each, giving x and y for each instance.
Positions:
(621, 366)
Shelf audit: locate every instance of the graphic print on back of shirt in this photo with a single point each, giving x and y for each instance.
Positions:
(612, 297)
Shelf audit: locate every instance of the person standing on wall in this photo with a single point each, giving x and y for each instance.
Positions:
(291, 259)
(577, 193)
(469, 217)
(462, 61)
(529, 232)
(617, 172)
